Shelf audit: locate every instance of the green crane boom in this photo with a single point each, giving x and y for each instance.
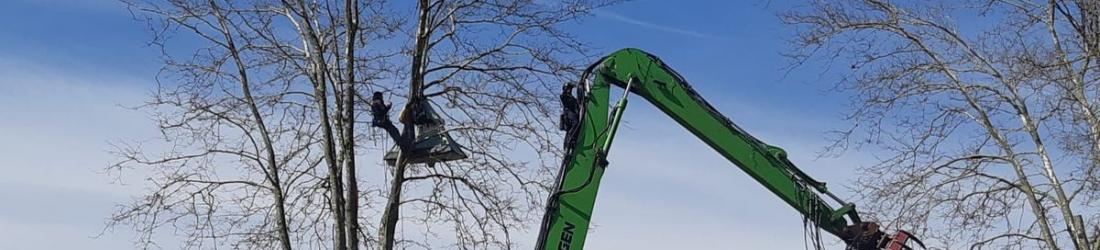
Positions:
(569, 208)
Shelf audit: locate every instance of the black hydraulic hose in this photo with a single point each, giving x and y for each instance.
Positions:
(571, 136)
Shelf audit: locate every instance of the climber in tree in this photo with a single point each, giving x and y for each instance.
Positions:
(380, 114)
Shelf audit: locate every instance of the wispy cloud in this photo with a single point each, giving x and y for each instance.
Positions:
(51, 109)
(650, 25)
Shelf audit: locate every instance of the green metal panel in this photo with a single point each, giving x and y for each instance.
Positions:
(570, 210)
(570, 207)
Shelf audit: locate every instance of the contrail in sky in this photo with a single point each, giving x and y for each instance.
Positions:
(629, 20)
(645, 24)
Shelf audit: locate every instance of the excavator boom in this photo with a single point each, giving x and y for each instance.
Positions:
(569, 208)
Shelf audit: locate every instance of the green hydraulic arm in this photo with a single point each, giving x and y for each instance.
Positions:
(569, 208)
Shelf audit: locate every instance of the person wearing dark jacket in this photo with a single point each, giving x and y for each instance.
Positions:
(570, 114)
(379, 111)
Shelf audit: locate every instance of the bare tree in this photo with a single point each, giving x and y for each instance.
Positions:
(319, 43)
(239, 107)
(217, 116)
(332, 71)
(262, 119)
(989, 119)
(496, 65)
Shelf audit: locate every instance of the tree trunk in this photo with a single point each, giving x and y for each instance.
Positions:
(320, 69)
(335, 183)
(351, 212)
(1096, 238)
(393, 204)
(1076, 230)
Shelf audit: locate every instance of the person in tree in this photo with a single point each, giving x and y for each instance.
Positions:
(570, 115)
(379, 110)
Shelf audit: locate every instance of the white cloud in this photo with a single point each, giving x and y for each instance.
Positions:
(54, 137)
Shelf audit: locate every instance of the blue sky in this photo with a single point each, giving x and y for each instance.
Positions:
(68, 67)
